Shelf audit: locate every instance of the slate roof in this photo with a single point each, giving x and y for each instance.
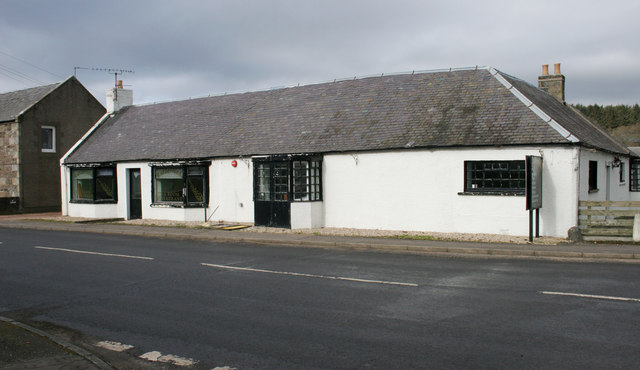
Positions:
(15, 102)
(473, 107)
(571, 119)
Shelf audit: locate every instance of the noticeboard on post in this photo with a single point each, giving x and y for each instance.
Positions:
(534, 182)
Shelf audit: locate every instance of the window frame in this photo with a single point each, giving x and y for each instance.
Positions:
(95, 185)
(52, 149)
(634, 174)
(593, 176)
(517, 166)
(310, 182)
(622, 173)
(184, 201)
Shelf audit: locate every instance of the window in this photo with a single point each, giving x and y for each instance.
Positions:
(263, 187)
(93, 185)
(623, 176)
(634, 174)
(288, 179)
(195, 184)
(82, 184)
(495, 177)
(306, 180)
(593, 176)
(168, 185)
(180, 185)
(48, 134)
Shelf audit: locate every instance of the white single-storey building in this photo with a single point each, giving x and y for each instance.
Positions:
(440, 151)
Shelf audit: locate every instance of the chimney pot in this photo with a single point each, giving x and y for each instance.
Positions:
(554, 84)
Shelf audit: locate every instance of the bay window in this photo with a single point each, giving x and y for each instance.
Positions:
(93, 185)
(180, 185)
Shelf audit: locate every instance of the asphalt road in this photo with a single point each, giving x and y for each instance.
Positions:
(248, 306)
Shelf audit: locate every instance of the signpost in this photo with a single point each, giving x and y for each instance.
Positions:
(533, 191)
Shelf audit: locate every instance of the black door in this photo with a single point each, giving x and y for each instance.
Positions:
(271, 194)
(135, 194)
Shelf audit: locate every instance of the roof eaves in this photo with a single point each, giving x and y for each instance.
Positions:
(534, 108)
(75, 146)
(622, 146)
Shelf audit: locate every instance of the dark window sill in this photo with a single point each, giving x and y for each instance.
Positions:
(593, 190)
(494, 193)
(177, 205)
(86, 201)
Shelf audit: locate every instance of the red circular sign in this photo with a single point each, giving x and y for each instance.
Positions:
(234, 163)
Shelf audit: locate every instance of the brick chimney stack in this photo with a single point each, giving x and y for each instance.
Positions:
(553, 84)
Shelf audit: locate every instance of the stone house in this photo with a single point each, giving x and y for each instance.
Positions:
(429, 151)
(37, 126)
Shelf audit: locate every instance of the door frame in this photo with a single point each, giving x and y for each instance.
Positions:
(130, 199)
(304, 184)
(276, 210)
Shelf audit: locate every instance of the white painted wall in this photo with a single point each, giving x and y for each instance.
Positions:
(418, 190)
(396, 190)
(83, 209)
(121, 209)
(617, 190)
(64, 190)
(307, 215)
(231, 191)
(93, 210)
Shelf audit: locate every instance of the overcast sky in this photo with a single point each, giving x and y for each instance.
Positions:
(182, 49)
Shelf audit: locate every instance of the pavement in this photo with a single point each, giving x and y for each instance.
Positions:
(23, 346)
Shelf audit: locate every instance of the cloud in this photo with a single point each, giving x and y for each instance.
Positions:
(195, 48)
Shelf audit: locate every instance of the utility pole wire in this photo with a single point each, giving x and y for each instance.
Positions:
(20, 75)
(31, 64)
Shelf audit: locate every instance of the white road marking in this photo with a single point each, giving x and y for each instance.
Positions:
(94, 253)
(113, 346)
(592, 296)
(309, 275)
(156, 356)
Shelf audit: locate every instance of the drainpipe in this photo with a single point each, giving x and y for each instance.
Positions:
(577, 158)
(20, 186)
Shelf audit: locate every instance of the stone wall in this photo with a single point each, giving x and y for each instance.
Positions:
(9, 168)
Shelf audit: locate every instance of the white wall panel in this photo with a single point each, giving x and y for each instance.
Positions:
(419, 190)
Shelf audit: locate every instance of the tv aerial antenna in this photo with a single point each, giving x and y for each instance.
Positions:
(113, 71)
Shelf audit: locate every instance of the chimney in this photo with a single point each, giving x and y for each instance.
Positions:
(553, 84)
(118, 98)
